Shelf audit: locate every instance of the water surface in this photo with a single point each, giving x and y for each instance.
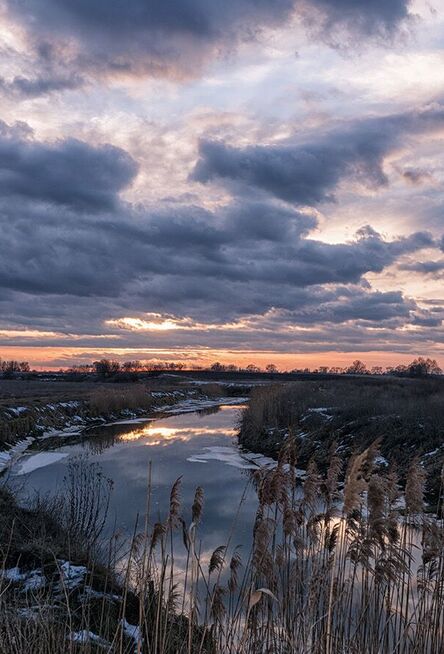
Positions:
(200, 447)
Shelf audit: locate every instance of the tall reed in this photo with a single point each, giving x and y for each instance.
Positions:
(333, 569)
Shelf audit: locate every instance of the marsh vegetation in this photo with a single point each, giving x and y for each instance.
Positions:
(332, 568)
(405, 416)
(345, 554)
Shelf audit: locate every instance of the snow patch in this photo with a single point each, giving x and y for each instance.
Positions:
(34, 581)
(73, 575)
(84, 637)
(432, 453)
(132, 631)
(10, 456)
(90, 592)
(12, 574)
(73, 430)
(17, 410)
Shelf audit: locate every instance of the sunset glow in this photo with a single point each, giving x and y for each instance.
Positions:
(154, 435)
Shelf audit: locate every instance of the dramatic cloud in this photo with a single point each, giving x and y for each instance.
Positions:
(425, 267)
(362, 16)
(67, 172)
(41, 85)
(307, 171)
(174, 38)
(176, 177)
(243, 258)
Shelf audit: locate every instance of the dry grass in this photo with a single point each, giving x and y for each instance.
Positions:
(331, 570)
(106, 400)
(405, 415)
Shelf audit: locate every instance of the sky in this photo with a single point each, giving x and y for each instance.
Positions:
(248, 181)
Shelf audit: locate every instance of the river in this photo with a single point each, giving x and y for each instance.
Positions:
(199, 447)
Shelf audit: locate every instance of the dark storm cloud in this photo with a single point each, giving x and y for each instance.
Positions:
(425, 267)
(362, 16)
(42, 85)
(358, 304)
(326, 308)
(67, 172)
(307, 171)
(416, 176)
(174, 38)
(427, 321)
(245, 258)
(78, 256)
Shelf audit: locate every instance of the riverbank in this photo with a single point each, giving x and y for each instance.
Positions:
(331, 568)
(27, 418)
(61, 593)
(405, 418)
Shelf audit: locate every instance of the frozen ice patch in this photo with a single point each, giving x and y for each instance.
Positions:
(226, 455)
(40, 460)
(191, 405)
(232, 457)
(128, 421)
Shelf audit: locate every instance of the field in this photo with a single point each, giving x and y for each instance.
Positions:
(404, 416)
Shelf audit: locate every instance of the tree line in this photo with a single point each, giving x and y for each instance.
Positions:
(108, 368)
(111, 368)
(10, 368)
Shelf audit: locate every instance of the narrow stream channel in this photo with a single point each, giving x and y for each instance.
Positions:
(200, 447)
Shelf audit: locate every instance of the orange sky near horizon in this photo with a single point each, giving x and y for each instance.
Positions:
(54, 358)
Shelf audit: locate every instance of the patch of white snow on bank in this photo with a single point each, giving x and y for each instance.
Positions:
(90, 592)
(8, 457)
(73, 430)
(84, 637)
(17, 410)
(73, 575)
(432, 453)
(34, 581)
(132, 631)
(40, 460)
(12, 574)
